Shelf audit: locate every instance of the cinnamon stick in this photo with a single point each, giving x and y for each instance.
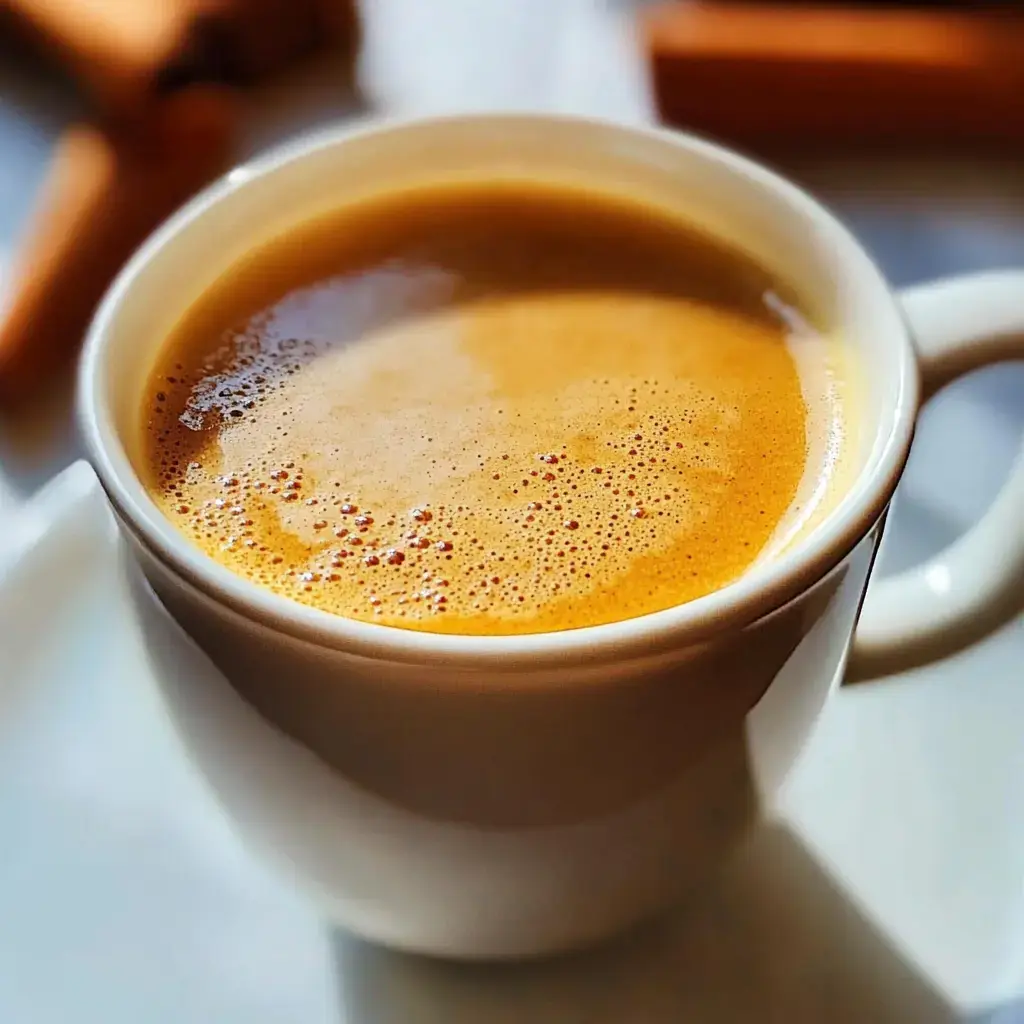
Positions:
(835, 76)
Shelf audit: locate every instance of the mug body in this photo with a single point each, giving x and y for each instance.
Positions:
(499, 796)
(490, 814)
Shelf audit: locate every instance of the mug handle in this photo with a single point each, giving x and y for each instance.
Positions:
(976, 584)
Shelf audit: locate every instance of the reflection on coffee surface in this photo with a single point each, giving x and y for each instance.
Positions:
(492, 408)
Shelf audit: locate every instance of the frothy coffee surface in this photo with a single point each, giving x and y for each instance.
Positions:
(482, 409)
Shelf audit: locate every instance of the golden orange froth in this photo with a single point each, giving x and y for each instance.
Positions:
(491, 409)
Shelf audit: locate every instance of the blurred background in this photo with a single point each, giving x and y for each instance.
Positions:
(907, 119)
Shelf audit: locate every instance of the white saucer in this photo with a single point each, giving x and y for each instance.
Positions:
(891, 891)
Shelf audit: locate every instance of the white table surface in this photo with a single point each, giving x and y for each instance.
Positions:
(920, 219)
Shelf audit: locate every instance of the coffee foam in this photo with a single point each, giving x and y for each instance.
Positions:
(507, 463)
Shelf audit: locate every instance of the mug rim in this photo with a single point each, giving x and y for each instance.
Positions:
(756, 593)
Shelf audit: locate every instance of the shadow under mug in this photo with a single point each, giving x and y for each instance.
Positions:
(511, 796)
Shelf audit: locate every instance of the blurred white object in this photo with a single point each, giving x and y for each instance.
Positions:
(565, 56)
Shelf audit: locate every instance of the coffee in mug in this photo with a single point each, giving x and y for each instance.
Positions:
(375, 305)
(495, 407)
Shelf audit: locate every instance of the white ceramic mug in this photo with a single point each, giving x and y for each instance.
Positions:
(506, 796)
